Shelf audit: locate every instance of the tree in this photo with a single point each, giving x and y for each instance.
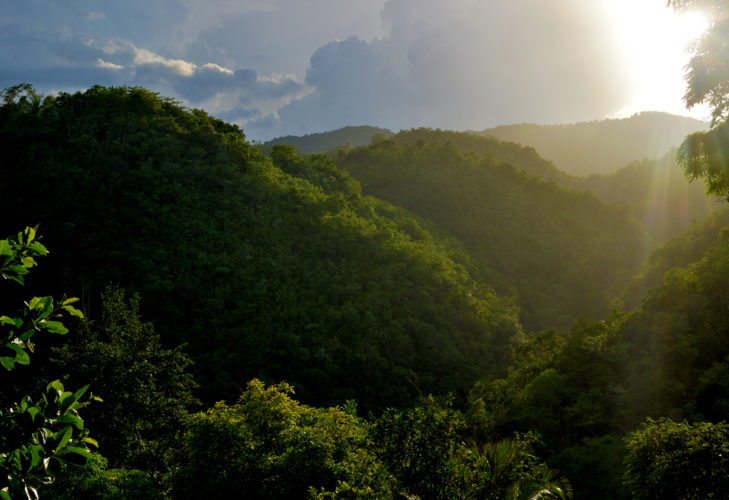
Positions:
(146, 388)
(37, 437)
(706, 154)
(268, 445)
(669, 459)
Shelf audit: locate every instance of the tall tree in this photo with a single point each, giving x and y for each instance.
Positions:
(706, 154)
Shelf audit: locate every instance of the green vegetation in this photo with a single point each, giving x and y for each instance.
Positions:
(383, 283)
(656, 194)
(278, 269)
(326, 141)
(547, 245)
(38, 437)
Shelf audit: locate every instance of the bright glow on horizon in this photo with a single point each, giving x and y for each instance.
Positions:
(655, 40)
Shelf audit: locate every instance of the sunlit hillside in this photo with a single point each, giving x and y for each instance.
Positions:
(601, 147)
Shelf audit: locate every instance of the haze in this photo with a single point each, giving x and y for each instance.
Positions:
(280, 67)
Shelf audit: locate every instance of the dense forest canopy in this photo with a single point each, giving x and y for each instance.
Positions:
(274, 268)
(547, 245)
(432, 313)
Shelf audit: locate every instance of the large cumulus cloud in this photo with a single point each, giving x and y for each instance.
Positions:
(466, 64)
(271, 65)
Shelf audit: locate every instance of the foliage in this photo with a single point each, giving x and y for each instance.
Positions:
(684, 249)
(706, 154)
(669, 459)
(546, 245)
(146, 388)
(96, 481)
(37, 437)
(425, 450)
(323, 142)
(656, 194)
(271, 268)
(269, 445)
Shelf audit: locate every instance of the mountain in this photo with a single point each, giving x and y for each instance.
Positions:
(276, 268)
(600, 147)
(561, 252)
(656, 193)
(325, 141)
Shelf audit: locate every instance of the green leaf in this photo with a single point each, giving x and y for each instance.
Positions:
(64, 438)
(39, 248)
(71, 419)
(27, 262)
(5, 249)
(77, 395)
(8, 363)
(16, 322)
(54, 327)
(70, 300)
(17, 269)
(79, 451)
(91, 441)
(55, 385)
(21, 357)
(73, 311)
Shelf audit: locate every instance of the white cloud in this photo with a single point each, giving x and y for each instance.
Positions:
(466, 64)
(108, 65)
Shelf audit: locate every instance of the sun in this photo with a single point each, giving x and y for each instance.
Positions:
(654, 40)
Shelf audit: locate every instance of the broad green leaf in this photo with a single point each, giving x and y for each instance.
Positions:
(79, 451)
(38, 248)
(71, 419)
(73, 311)
(8, 363)
(16, 322)
(64, 438)
(55, 385)
(27, 262)
(70, 300)
(5, 249)
(26, 335)
(33, 411)
(17, 269)
(21, 357)
(54, 327)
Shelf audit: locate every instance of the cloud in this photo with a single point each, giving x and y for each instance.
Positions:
(466, 64)
(285, 66)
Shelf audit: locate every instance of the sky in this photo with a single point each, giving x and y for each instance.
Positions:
(280, 67)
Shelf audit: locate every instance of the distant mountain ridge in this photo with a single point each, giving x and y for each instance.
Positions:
(325, 141)
(609, 144)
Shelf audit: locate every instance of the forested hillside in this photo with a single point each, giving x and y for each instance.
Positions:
(325, 141)
(430, 315)
(562, 253)
(601, 147)
(274, 269)
(656, 193)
